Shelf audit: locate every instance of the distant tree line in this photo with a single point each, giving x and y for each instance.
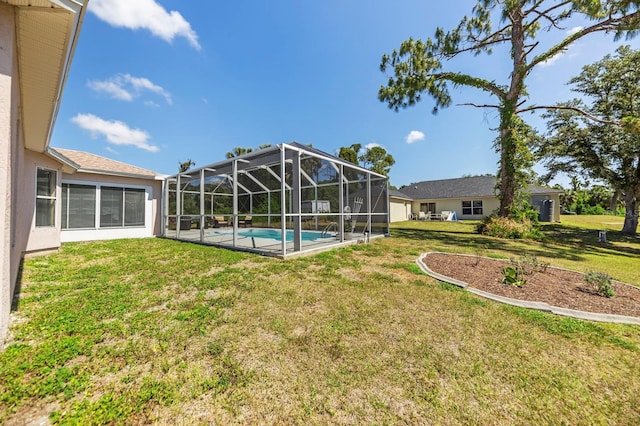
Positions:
(582, 198)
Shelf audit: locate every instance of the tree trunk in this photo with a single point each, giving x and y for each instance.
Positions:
(507, 184)
(508, 143)
(507, 147)
(613, 205)
(631, 212)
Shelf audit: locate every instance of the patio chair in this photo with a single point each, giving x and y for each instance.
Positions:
(185, 223)
(220, 221)
(248, 220)
(422, 216)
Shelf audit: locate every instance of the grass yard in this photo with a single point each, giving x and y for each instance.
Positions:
(152, 330)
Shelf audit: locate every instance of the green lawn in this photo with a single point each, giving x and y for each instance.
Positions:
(143, 331)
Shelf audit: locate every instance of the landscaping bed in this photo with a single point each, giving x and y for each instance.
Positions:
(557, 287)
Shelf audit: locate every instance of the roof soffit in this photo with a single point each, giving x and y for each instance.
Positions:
(46, 33)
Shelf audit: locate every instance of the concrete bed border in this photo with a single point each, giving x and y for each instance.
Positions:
(542, 306)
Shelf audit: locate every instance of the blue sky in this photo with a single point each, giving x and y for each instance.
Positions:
(157, 82)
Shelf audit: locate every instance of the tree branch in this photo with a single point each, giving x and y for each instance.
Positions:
(480, 44)
(544, 13)
(467, 80)
(571, 108)
(479, 106)
(530, 48)
(608, 25)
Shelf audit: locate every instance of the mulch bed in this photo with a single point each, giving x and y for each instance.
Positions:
(557, 287)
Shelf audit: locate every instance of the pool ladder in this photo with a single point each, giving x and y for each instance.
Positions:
(327, 228)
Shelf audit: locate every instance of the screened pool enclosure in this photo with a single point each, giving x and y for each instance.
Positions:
(281, 201)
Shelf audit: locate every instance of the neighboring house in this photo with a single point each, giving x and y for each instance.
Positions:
(400, 206)
(470, 197)
(37, 40)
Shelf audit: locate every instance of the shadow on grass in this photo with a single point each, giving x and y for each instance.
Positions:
(15, 301)
(587, 239)
(565, 242)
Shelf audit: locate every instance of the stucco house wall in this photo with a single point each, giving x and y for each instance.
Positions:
(9, 101)
(37, 40)
(41, 239)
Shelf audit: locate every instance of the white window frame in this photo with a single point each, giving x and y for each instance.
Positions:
(98, 233)
(62, 184)
(46, 197)
(473, 207)
(123, 210)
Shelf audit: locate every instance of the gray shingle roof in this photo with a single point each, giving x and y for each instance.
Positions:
(397, 194)
(466, 187)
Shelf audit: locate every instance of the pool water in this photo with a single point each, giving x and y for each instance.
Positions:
(276, 234)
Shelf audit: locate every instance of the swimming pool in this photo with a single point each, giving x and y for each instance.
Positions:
(276, 234)
(272, 234)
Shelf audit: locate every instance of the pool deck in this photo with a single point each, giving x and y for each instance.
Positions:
(223, 237)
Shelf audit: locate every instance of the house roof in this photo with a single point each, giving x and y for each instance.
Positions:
(398, 194)
(466, 187)
(46, 35)
(91, 163)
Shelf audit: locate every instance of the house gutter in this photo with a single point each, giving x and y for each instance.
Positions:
(71, 167)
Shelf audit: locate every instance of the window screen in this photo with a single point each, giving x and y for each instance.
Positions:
(78, 206)
(46, 197)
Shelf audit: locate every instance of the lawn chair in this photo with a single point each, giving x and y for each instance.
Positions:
(248, 220)
(220, 221)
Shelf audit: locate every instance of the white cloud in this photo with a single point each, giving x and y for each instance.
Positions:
(141, 83)
(371, 145)
(115, 132)
(415, 136)
(112, 88)
(145, 14)
(126, 87)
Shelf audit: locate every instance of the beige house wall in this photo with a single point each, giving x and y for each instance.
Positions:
(8, 144)
(40, 238)
(153, 211)
(36, 44)
(489, 204)
(399, 209)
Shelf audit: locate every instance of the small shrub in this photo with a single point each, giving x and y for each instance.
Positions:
(531, 264)
(513, 276)
(601, 283)
(479, 252)
(524, 266)
(525, 212)
(502, 227)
